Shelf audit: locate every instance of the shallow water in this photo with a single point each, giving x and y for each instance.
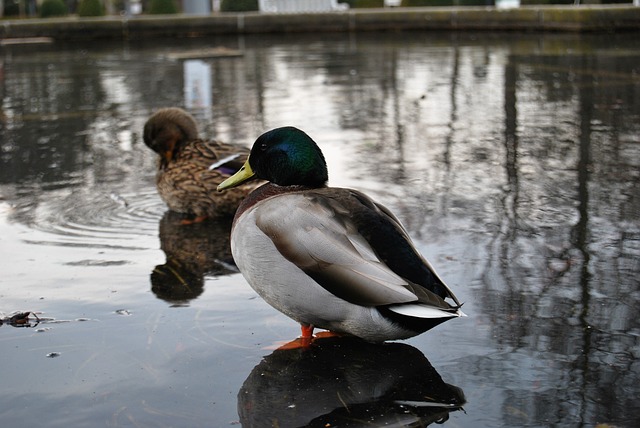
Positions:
(513, 160)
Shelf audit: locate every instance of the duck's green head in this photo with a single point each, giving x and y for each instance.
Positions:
(284, 156)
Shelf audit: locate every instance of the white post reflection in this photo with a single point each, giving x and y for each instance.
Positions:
(197, 88)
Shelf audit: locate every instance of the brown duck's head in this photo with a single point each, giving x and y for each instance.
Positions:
(167, 130)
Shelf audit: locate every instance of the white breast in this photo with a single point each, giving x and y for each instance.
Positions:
(279, 282)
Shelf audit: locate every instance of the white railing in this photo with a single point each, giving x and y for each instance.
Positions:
(296, 6)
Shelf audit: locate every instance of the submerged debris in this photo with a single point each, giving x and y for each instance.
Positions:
(31, 319)
(20, 319)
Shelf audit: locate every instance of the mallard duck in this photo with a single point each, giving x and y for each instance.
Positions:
(329, 257)
(189, 168)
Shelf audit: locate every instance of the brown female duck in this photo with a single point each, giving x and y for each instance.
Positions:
(190, 169)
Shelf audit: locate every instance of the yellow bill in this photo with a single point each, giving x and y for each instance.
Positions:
(243, 174)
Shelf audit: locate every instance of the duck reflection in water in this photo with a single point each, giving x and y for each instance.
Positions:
(191, 253)
(346, 382)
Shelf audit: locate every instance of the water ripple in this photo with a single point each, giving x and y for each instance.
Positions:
(89, 218)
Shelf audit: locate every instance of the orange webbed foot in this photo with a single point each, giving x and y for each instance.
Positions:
(326, 334)
(304, 341)
(299, 343)
(307, 338)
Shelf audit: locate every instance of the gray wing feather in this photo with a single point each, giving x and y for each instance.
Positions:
(326, 246)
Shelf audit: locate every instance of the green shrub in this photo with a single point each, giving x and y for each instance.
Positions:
(11, 8)
(239, 5)
(162, 7)
(53, 8)
(363, 3)
(90, 8)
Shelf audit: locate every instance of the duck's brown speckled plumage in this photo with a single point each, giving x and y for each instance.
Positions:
(184, 180)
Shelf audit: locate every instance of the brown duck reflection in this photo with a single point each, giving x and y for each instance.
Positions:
(192, 251)
(346, 382)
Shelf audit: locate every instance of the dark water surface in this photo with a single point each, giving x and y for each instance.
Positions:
(513, 160)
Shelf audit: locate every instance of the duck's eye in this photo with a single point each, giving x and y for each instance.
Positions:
(263, 146)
